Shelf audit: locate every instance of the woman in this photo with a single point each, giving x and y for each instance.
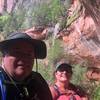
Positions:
(62, 88)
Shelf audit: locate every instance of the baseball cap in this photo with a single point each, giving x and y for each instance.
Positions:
(64, 67)
(38, 45)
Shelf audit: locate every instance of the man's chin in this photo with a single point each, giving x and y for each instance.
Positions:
(20, 76)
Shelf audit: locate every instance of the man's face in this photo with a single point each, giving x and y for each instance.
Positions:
(19, 60)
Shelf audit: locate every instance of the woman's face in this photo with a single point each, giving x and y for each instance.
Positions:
(19, 60)
(62, 76)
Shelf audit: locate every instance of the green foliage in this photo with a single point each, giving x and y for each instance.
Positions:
(41, 15)
(57, 10)
(14, 21)
(11, 22)
(96, 93)
(49, 14)
(46, 71)
(78, 74)
(73, 17)
(55, 50)
(3, 20)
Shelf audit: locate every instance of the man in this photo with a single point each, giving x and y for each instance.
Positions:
(63, 89)
(17, 80)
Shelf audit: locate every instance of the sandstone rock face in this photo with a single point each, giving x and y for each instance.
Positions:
(36, 33)
(83, 39)
(9, 5)
(93, 73)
